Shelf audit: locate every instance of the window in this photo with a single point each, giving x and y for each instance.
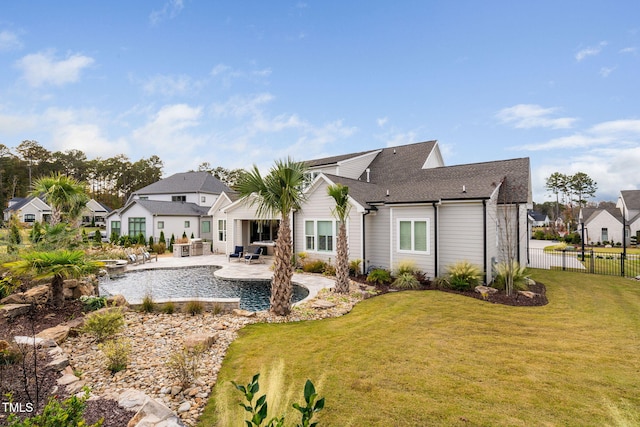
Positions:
(144, 197)
(605, 235)
(115, 227)
(413, 235)
(160, 225)
(319, 235)
(178, 198)
(29, 217)
(206, 226)
(203, 199)
(187, 224)
(222, 230)
(137, 226)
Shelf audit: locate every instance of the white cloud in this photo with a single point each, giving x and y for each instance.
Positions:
(227, 75)
(170, 85)
(631, 50)
(9, 41)
(241, 106)
(590, 51)
(170, 10)
(43, 68)
(605, 71)
(382, 121)
(526, 116)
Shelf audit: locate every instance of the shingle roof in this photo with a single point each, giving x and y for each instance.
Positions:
(21, 202)
(334, 159)
(589, 214)
(631, 198)
(156, 207)
(186, 182)
(537, 216)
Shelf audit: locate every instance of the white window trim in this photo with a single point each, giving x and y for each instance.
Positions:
(187, 224)
(413, 237)
(316, 241)
(224, 230)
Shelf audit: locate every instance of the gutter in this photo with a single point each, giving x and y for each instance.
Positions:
(364, 240)
(435, 240)
(484, 237)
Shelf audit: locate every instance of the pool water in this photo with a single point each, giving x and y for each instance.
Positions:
(192, 282)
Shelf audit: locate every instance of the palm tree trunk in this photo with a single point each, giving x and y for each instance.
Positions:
(342, 261)
(57, 291)
(281, 289)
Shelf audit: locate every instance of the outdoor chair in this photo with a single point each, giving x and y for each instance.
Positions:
(237, 253)
(255, 256)
(148, 256)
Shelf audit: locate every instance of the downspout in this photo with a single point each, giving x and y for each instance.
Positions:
(293, 228)
(484, 239)
(435, 239)
(518, 230)
(364, 246)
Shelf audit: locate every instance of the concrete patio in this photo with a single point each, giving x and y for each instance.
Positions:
(238, 270)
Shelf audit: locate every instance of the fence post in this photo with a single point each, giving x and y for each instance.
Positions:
(564, 256)
(592, 263)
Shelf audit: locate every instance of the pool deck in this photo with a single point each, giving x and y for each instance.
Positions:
(238, 270)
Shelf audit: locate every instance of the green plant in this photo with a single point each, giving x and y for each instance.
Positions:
(162, 239)
(329, 270)
(313, 266)
(313, 405)
(92, 303)
(463, 276)
(168, 307)
(105, 324)
(159, 248)
(184, 364)
(379, 276)
(68, 413)
(141, 240)
(217, 309)
(148, 306)
(354, 267)
(117, 353)
(171, 242)
(406, 280)
(514, 272)
(97, 237)
(194, 307)
(8, 285)
(406, 266)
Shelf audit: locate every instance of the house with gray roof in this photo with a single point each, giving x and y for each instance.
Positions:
(174, 205)
(601, 225)
(405, 205)
(629, 205)
(35, 209)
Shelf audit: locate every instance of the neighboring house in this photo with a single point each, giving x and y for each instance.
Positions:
(95, 213)
(174, 205)
(538, 219)
(629, 204)
(601, 225)
(28, 209)
(405, 205)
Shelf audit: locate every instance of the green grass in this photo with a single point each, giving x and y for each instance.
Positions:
(434, 358)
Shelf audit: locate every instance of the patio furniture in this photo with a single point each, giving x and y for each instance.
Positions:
(237, 253)
(255, 256)
(147, 256)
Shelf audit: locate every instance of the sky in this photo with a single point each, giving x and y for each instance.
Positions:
(238, 83)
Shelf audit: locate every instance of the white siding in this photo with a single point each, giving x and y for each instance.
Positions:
(353, 168)
(377, 239)
(460, 234)
(424, 261)
(604, 219)
(137, 211)
(190, 197)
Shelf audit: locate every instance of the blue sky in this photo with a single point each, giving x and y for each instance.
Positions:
(238, 83)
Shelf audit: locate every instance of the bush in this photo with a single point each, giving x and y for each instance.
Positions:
(406, 280)
(168, 307)
(117, 353)
(97, 237)
(311, 266)
(105, 324)
(159, 248)
(9, 353)
(92, 303)
(162, 239)
(517, 271)
(7, 286)
(193, 308)
(184, 364)
(69, 412)
(406, 266)
(151, 241)
(148, 306)
(354, 267)
(462, 276)
(379, 276)
(329, 270)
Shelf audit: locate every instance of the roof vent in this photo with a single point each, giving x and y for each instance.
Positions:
(464, 188)
(394, 151)
(368, 170)
(387, 193)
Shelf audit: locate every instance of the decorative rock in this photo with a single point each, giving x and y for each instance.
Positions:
(203, 341)
(132, 399)
(67, 379)
(243, 313)
(37, 341)
(37, 295)
(483, 290)
(117, 300)
(14, 310)
(59, 363)
(175, 390)
(75, 326)
(57, 333)
(527, 294)
(154, 413)
(184, 407)
(76, 387)
(83, 289)
(322, 304)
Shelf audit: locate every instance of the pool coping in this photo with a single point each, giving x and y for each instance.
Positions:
(238, 270)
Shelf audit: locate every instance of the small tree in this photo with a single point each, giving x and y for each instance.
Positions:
(97, 237)
(162, 239)
(171, 242)
(150, 241)
(141, 240)
(340, 194)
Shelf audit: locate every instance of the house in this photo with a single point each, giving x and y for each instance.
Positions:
(405, 205)
(629, 204)
(601, 225)
(95, 213)
(174, 205)
(538, 219)
(28, 209)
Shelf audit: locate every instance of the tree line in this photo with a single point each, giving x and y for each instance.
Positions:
(572, 190)
(109, 180)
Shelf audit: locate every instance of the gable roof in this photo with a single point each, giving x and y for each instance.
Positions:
(589, 214)
(185, 182)
(538, 216)
(157, 207)
(631, 198)
(21, 202)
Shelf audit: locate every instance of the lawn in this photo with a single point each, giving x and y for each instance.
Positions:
(434, 358)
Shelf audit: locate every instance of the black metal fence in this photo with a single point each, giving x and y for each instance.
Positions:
(594, 262)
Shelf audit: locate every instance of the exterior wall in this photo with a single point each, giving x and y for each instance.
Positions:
(377, 239)
(318, 207)
(238, 232)
(460, 234)
(217, 212)
(512, 234)
(208, 236)
(424, 261)
(353, 168)
(137, 211)
(330, 169)
(191, 197)
(174, 225)
(593, 228)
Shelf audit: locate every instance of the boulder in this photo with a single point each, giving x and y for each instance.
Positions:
(67, 379)
(83, 289)
(322, 304)
(117, 300)
(203, 341)
(485, 290)
(37, 295)
(149, 413)
(75, 326)
(527, 294)
(59, 363)
(58, 333)
(14, 310)
(40, 342)
(243, 313)
(132, 400)
(71, 283)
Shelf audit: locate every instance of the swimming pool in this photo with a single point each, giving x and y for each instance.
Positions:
(192, 282)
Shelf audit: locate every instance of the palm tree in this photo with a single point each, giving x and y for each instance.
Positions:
(64, 194)
(278, 193)
(340, 194)
(57, 266)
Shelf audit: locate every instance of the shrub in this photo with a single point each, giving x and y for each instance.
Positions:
(406, 266)
(354, 267)
(69, 412)
(171, 242)
(92, 303)
(518, 273)
(148, 306)
(150, 241)
(311, 266)
(9, 354)
(184, 364)
(117, 353)
(168, 307)
(7, 286)
(463, 276)
(379, 276)
(194, 307)
(406, 280)
(159, 248)
(105, 324)
(162, 239)
(329, 270)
